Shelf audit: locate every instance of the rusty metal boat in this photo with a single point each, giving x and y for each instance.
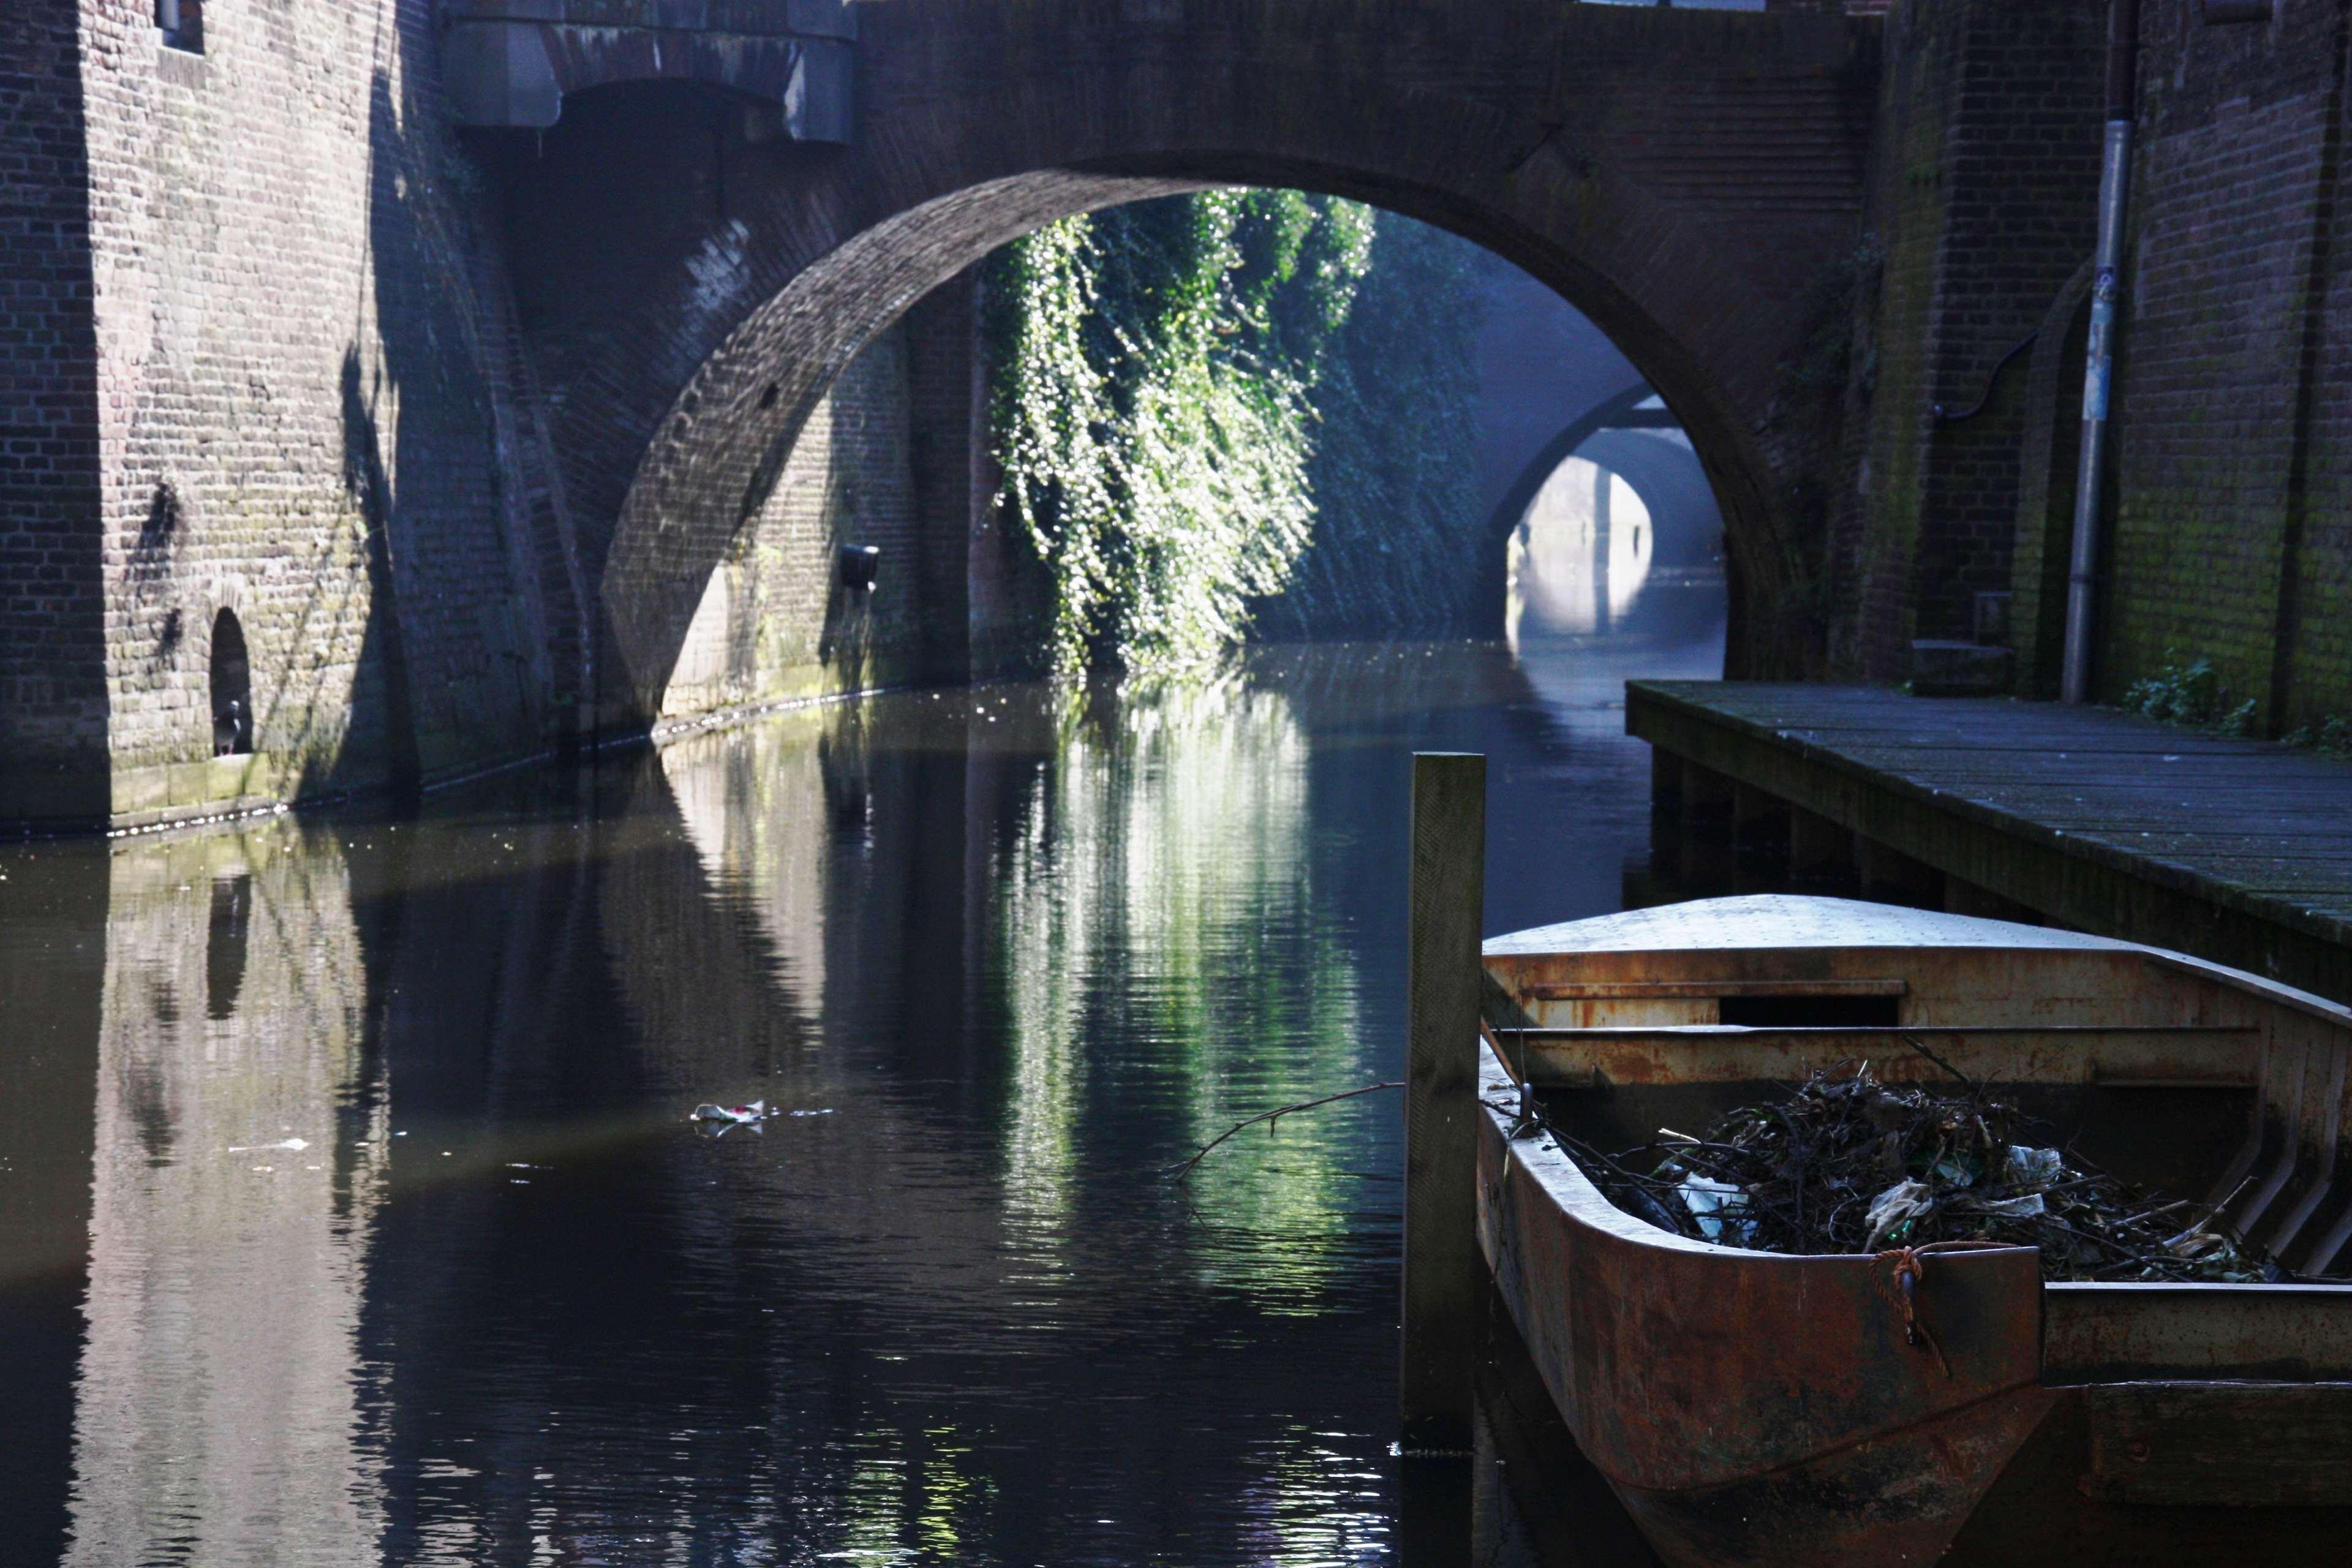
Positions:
(1755, 1408)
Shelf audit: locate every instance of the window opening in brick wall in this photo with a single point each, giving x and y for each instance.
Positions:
(232, 689)
(182, 22)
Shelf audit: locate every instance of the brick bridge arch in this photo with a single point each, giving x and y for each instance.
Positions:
(1681, 177)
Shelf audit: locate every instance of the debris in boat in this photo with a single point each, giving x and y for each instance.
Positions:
(1894, 1209)
(1717, 1205)
(1848, 1164)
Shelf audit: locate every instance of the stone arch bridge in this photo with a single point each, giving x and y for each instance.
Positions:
(454, 345)
(1682, 176)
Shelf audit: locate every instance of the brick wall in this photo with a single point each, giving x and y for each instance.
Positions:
(52, 690)
(1984, 192)
(308, 401)
(775, 623)
(2229, 535)
(295, 422)
(1680, 172)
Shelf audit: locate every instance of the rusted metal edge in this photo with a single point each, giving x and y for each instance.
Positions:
(2169, 1057)
(1634, 989)
(2095, 1332)
(1563, 1186)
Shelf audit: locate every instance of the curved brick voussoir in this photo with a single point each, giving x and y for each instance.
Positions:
(1678, 175)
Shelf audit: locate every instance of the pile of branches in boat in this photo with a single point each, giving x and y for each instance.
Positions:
(1849, 1163)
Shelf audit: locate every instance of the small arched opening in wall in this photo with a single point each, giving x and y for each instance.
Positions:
(231, 686)
(2048, 450)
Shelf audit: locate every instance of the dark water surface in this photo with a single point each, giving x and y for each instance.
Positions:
(349, 1210)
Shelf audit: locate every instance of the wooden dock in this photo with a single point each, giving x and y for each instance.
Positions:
(2238, 851)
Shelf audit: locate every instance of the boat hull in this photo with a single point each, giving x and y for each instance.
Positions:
(1754, 1409)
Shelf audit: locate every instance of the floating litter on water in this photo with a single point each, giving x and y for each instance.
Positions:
(721, 1120)
(755, 1111)
(295, 1144)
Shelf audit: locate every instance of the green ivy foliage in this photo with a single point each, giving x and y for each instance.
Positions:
(1156, 392)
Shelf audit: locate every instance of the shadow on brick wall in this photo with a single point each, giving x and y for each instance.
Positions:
(382, 685)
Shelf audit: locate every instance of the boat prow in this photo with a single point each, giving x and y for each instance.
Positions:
(1750, 1408)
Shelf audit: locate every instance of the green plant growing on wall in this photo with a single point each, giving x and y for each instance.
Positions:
(1150, 411)
(2191, 695)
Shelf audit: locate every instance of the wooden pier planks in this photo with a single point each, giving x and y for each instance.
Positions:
(2235, 850)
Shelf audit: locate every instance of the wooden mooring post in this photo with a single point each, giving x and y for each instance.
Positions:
(1441, 1280)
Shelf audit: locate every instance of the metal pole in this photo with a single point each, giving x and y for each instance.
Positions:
(1446, 904)
(2114, 178)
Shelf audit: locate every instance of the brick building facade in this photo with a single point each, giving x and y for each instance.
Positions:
(2232, 537)
(2226, 531)
(271, 360)
(52, 634)
(289, 428)
(431, 449)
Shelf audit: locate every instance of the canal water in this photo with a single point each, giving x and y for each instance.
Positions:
(351, 1212)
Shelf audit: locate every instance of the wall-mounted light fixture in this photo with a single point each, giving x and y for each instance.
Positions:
(860, 565)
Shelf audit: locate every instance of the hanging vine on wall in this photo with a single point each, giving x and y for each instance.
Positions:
(1151, 410)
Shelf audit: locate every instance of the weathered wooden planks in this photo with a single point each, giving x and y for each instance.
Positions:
(2239, 851)
(1443, 1283)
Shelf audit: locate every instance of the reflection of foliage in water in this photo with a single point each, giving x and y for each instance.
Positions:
(1161, 867)
(904, 1503)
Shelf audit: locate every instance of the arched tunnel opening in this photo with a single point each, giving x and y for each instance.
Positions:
(1450, 398)
(1621, 537)
(231, 687)
(703, 289)
(1458, 396)
(719, 567)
